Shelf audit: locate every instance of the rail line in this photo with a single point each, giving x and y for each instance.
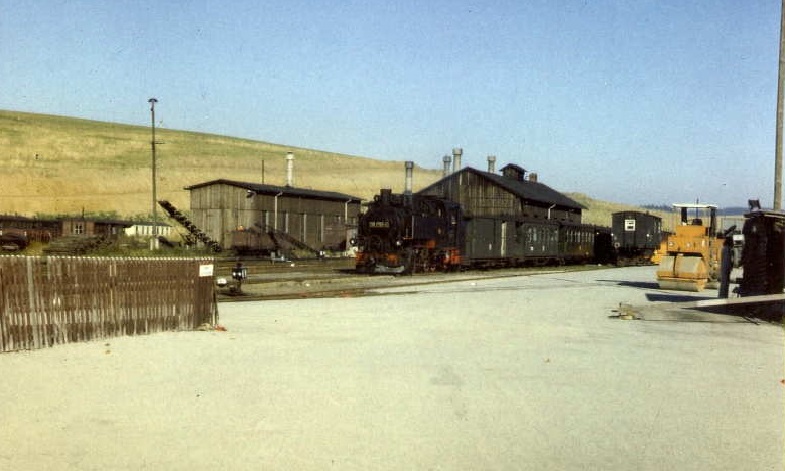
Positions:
(303, 279)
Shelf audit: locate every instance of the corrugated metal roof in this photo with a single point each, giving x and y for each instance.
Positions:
(285, 190)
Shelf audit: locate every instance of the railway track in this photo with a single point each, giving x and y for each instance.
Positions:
(302, 279)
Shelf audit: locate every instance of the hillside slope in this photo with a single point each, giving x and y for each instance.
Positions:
(63, 165)
(60, 165)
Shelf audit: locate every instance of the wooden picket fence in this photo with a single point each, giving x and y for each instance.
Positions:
(49, 300)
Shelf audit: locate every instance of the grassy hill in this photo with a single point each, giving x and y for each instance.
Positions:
(61, 165)
(56, 165)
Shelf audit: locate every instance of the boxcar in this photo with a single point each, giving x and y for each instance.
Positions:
(636, 235)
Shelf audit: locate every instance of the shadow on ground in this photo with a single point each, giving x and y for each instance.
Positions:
(634, 284)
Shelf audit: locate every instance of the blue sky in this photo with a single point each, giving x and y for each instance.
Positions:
(631, 101)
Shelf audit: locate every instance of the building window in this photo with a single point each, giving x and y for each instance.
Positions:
(78, 228)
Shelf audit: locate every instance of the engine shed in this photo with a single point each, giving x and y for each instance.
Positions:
(513, 195)
(252, 217)
(512, 219)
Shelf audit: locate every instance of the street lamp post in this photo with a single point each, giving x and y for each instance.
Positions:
(154, 243)
(778, 135)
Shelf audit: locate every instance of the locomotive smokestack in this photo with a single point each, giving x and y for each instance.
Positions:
(407, 185)
(456, 159)
(447, 160)
(491, 164)
(385, 196)
(289, 169)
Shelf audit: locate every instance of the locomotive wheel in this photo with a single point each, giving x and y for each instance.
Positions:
(408, 262)
(423, 261)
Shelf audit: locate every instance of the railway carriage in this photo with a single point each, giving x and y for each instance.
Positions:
(576, 243)
(540, 242)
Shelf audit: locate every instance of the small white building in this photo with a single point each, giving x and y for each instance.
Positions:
(145, 229)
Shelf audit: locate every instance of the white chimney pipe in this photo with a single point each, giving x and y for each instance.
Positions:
(407, 186)
(491, 164)
(447, 161)
(289, 168)
(456, 159)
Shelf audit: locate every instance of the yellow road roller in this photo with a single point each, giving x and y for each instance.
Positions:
(691, 261)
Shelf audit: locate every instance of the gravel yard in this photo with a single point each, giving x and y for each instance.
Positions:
(524, 372)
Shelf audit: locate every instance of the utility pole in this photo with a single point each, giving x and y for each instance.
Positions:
(154, 243)
(780, 90)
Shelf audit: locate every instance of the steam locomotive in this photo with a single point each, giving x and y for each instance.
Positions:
(406, 233)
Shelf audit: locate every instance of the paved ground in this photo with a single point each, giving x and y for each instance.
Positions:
(516, 373)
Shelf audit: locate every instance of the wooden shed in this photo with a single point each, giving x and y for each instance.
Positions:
(44, 230)
(318, 220)
(513, 194)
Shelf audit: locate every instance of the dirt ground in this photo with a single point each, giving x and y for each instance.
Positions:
(529, 372)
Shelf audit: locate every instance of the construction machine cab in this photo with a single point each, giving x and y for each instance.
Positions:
(700, 212)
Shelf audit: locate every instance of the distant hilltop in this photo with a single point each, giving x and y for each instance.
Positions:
(727, 211)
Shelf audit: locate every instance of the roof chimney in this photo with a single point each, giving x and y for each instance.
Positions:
(532, 177)
(491, 164)
(456, 159)
(446, 159)
(407, 186)
(289, 168)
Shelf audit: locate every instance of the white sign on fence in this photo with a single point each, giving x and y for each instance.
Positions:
(206, 270)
